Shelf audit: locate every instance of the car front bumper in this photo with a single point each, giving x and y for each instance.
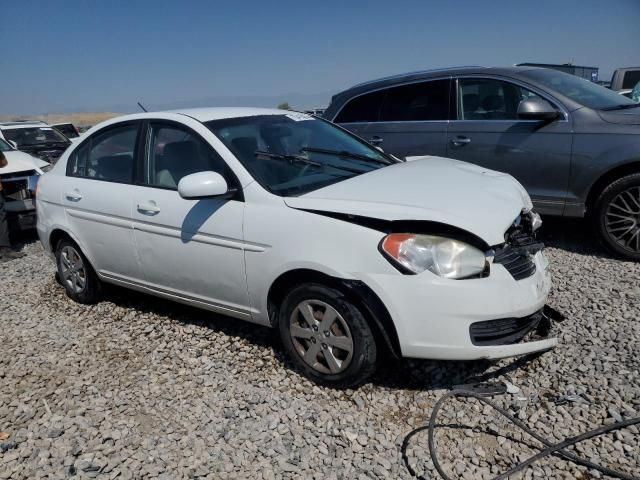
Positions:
(433, 316)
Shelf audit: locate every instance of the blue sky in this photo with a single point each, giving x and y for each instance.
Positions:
(63, 56)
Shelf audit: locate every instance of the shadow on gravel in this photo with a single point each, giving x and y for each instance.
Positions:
(574, 235)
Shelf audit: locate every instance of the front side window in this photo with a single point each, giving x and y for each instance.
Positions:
(174, 152)
(33, 136)
(108, 155)
(295, 153)
(488, 99)
(579, 90)
(362, 109)
(417, 102)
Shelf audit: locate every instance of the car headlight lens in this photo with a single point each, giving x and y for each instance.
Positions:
(443, 256)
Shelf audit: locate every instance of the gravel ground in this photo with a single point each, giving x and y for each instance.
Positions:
(136, 387)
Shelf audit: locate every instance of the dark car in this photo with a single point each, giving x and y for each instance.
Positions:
(573, 144)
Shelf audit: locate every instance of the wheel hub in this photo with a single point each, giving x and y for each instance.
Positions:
(321, 336)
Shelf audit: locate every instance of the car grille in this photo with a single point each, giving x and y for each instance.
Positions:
(516, 255)
(503, 331)
(518, 263)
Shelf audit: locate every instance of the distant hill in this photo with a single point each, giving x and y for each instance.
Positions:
(78, 119)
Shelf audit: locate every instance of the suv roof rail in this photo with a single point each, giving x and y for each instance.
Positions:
(417, 72)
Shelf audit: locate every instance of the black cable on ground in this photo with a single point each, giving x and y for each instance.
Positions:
(552, 449)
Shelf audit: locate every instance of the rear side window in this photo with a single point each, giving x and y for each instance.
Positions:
(174, 152)
(365, 108)
(417, 102)
(108, 156)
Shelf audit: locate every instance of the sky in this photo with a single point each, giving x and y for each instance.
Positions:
(60, 56)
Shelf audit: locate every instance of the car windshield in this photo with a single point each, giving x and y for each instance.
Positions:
(32, 136)
(295, 153)
(4, 146)
(580, 90)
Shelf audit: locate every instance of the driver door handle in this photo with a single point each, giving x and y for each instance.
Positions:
(73, 196)
(148, 208)
(376, 140)
(460, 141)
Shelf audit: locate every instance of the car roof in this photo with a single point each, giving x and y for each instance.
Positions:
(23, 124)
(434, 73)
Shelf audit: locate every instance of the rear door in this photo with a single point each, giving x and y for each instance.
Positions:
(411, 119)
(97, 199)
(488, 132)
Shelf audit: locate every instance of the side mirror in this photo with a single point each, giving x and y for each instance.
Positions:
(536, 109)
(202, 185)
(13, 144)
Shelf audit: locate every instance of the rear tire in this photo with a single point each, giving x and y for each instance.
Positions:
(76, 273)
(327, 336)
(617, 217)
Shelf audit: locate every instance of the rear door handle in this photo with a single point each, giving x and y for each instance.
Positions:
(73, 196)
(376, 140)
(148, 208)
(460, 141)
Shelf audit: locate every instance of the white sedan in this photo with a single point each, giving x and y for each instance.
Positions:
(286, 220)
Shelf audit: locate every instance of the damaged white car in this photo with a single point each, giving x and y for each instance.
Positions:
(19, 180)
(288, 221)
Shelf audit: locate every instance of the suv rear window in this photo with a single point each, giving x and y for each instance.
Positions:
(417, 102)
(365, 108)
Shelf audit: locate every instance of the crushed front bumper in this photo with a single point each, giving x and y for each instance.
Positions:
(434, 316)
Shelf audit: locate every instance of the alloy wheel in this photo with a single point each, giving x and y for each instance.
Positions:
(72, 269)
(622, 219)
(321, 336)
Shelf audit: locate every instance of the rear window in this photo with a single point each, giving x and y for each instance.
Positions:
(416, 102)
(631, 79)
(365, 108)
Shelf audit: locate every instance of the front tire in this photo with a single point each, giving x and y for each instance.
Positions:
(617, 217)
(327, 336)
(76, 274)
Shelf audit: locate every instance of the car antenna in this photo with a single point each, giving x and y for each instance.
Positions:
(143, 109)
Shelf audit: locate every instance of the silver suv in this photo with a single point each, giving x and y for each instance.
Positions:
(573, 144)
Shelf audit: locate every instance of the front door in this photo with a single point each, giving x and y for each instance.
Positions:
(97, 199)
(189, 248)
(488, 133)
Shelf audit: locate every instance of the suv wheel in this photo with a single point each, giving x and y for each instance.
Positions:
(618, 216)
(76, 274)
(326, 336)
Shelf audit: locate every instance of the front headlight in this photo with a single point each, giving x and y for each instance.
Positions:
(46, 168)
(443, 256)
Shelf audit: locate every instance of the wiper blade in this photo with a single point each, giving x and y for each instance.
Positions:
(301, 159)
(288, 157)
(344, 153)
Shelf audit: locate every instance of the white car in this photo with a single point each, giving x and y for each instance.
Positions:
(19, 180)
(35, 138)
(286, 220)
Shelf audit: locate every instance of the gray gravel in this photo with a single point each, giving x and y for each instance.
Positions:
(136, 387)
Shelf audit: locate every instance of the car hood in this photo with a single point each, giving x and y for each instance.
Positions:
(480, 201)
(624, 117)
(21, 162)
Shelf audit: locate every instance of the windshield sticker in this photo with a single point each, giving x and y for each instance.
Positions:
(298, 117)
